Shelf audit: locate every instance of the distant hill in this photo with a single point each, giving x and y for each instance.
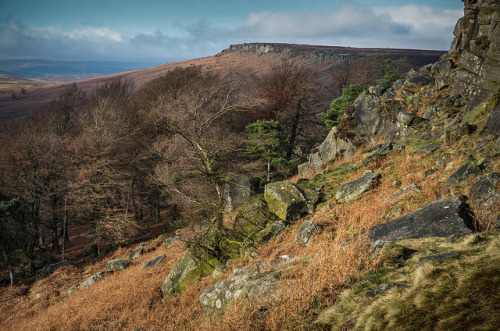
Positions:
(252, 56)
(76, 70)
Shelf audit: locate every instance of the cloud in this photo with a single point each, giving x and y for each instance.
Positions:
(409, 26)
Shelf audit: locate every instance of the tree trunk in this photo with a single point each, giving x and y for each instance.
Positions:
(9, 267)
(268, 169)
(64, 234)
(293, 134)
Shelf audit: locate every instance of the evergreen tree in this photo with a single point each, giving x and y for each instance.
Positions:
(266, 140)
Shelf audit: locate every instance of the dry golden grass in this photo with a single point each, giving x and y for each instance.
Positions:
(132, 298)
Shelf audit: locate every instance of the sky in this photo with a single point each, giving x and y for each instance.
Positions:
(156, 31)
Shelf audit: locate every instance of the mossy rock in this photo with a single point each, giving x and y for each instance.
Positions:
(186, 271)
(285, 200)
(253, 217)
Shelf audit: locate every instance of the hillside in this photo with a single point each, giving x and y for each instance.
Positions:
(190, 208)
(325, 57)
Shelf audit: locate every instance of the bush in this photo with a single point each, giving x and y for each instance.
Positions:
(337, 108)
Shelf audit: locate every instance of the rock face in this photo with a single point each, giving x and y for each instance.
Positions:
(117, 264)
(285, 200)
(355, 189)
(253, 282)
(443, 218)
(477, 38)
(332, 147)
(493, 123)
(306, 231)
(236, 192)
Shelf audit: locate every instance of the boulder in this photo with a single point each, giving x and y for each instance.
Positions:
(187, 270)
(271, 231)
(354, 189)
(117, 264)
(253, 217)
(170, 240)
(442, 218)
(378, 152)
(454, 131)
(136, 253)
(51, 268)
(418, 80)
(443, 67)
(408, 119)
(461, 174)
(285, 200)
(427, 148)
(236, 191)
(94, 278)
(256, 281)
(404, 192)
(306, 231)
(154, 262)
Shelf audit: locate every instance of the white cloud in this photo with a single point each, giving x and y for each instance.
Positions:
(411, 26)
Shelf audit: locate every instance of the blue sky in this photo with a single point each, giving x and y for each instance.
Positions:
(156, 31)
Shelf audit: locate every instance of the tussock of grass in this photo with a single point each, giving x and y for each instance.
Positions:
(448, 294)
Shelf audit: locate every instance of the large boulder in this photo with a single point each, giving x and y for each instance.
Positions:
(356, 188)
(253, 217)
(331, 148)
(442, 218)
(187, 270)
(253, 282)
(117, 264)
(285, 200)
(236, 191)
(90, 281)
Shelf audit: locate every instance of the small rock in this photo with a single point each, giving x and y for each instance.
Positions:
(461, 174)
(136, 253)
(153, 263)
(427, 148)
(117, 264)
(419, 80)
(355, 189)
(306, 231)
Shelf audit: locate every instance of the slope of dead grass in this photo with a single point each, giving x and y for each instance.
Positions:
(132, 298)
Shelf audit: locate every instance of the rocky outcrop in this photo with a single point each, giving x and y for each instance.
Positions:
(252, 218)
(477, 39)
(136, 253)
(443, 218)
(332, 147)
(354, 189)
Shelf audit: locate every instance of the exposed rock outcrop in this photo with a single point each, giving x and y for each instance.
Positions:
(443, 218)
